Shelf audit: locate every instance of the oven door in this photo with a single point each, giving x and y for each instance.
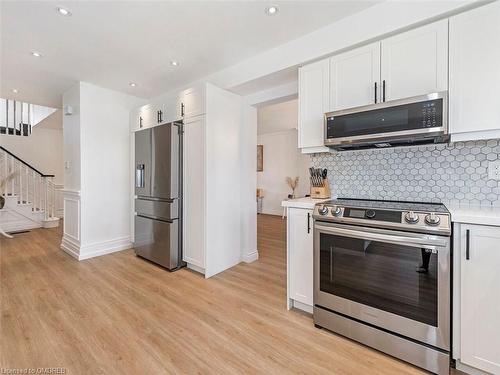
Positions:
(394, 280)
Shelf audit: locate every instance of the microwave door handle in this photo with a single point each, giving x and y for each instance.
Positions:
(427, 243)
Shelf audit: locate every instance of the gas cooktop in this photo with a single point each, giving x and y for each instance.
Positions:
(425, 217)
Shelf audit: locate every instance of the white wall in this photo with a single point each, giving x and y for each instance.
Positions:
(97, 145)
(71, 132)
(282, 159)
(105, 155)
(43, 149)
(248, 178)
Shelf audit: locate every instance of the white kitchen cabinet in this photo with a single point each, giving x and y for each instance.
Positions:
(415, 62)
(355, 78)
(212, 148)
(479, 286)
(300, 258)
(193, 100)
(194, 192)
(475, 74)
(313, 103)
(135, 119)
(148, 115)
(171, 110)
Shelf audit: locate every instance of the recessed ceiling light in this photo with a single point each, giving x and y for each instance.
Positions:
(36, 54)
(272, 10)
(63, 11)
(174, 63)
(15, 91)
(132, 84)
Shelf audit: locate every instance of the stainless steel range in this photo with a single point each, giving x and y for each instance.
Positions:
(382, 277)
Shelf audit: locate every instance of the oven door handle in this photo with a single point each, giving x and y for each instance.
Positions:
(424, 242)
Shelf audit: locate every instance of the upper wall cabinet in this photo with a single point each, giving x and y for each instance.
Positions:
(475, 73)
(408, 64)
(193, 101)
(415, 62)
(355, 78)
(313, 103)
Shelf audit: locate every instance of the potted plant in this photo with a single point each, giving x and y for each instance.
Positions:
(292, 183)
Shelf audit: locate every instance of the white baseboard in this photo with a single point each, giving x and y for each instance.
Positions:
(251, 257)
(70, 247)
(302, 306)
(196, 268)
(105, 247)
(82, 252)
(469, 370)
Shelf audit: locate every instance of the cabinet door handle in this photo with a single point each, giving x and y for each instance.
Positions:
(467, 244)
(182, 109)
(308, 222)
(375, 92)
(161, 116)
(140, 121)
(383, 90)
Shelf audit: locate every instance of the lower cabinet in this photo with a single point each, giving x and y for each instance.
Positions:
(300, 258)
(478, 291)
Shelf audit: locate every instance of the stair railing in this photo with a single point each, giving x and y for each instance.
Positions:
(30, 185)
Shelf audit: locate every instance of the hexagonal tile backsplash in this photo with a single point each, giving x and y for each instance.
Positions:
(453, 173)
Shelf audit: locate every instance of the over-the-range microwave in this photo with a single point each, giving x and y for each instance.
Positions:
(417, 120)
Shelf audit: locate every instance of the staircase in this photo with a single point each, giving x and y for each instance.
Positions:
(30, 197)
(18, 118)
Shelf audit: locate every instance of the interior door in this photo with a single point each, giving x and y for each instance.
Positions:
(143, 163)
(165, 161)
(480, 302)
(415, 62)
(354, 78)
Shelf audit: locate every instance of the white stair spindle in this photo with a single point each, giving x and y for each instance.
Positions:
(12, 190)
(20, 172)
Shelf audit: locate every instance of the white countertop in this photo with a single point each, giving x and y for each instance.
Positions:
(482, 215)
(306, 202)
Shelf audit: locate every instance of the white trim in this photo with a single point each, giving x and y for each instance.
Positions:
(273, 95)
(196, 268)
(82, 252)
(251, 257)
(74, 236)
(476, 135)
(76, 193)
(469, 370)
(314, 150)
(301, 306)
(279, 132)
(70, 247)
(104, 247)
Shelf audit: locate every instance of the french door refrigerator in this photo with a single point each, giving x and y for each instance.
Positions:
(158, 195)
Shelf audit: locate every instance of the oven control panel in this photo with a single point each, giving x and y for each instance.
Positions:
(429, 222)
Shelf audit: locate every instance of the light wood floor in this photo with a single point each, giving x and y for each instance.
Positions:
(118, 314)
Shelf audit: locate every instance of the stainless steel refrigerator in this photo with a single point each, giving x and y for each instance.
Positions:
(158, 195)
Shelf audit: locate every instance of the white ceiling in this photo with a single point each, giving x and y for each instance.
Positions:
(112, 43)
(277, 117)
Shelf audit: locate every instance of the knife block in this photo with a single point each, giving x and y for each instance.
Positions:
(321, 192)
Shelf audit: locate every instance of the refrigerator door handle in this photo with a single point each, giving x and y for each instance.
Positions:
(139, 176)
(152, 217)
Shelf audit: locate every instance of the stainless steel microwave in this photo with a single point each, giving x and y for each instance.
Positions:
(417, 120)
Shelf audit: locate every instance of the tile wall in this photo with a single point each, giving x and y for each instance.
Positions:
(456, 172)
